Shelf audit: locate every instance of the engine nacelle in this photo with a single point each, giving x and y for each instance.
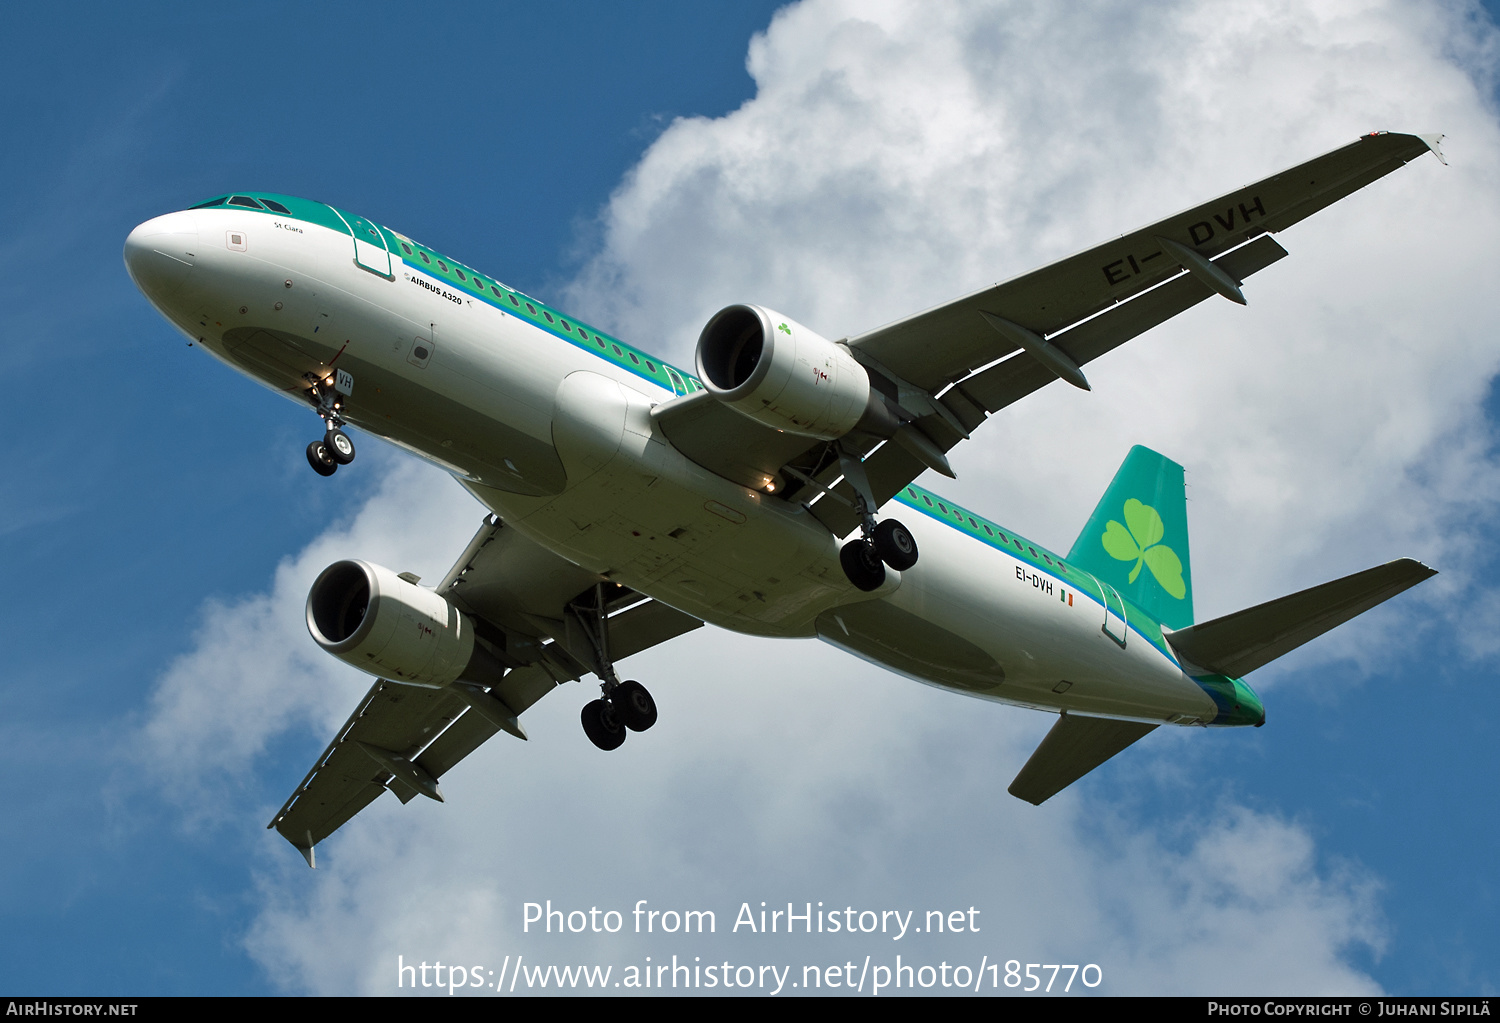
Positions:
(367, 616)
(777, 372)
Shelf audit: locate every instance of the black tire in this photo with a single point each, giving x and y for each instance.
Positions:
(340, 447)
(861, 565)
(319, 458)
(602, 725)
(895, 545)
(634, 706)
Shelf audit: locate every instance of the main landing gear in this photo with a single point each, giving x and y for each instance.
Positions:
(327, 398)
(623, 707)
(886, 543)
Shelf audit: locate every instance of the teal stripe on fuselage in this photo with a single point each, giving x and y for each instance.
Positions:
(476, 286)
(592, 346)
(1077, 580)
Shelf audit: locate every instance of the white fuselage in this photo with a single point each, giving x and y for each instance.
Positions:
(560, 443)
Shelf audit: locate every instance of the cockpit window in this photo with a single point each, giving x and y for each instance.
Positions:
(246, 201)
(272, 204)
(212, 202)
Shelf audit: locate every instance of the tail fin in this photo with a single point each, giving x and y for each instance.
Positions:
(1137, 538)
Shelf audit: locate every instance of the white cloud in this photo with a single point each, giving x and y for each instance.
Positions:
(897, 155)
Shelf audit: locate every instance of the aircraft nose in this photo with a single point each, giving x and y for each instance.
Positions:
(160, 253)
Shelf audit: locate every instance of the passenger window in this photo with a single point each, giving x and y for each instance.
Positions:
(442, 266)
(424, 257)
(634, 359)
(495, 291)
(406, 248)
(514, 302)
(272, 204)
(649, 366)
(1046, 559)
(988, 531)
(600, 340)
(566, 327)
(549, 316)
(531, 308)
(617, 349)
(460, 275)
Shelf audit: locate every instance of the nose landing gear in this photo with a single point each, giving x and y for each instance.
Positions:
(327, 397)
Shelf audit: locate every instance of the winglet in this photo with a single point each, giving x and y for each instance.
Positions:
(307, 852)
(1432, 144)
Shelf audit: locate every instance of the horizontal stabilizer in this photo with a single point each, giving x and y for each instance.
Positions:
(1238, 643)
(1074, 747)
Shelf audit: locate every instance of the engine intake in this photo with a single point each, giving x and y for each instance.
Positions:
(368, 616)
(776, 371)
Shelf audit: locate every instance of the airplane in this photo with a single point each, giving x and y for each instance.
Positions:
(630, 501)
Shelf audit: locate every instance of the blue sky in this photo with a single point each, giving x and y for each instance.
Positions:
(158, 502)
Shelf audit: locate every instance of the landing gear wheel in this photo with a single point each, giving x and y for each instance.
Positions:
(340, 447)
(894, 544)
(602, 725)
(320, 459)
(633, 706)
(861, 565)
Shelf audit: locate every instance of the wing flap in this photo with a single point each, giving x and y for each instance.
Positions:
(1074, 747)
(893, 467)
(397, 718)
(1238, 643)
(934, 348)
(1018, 376)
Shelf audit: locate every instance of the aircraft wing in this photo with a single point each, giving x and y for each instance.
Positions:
(954, 365)
(1073, 747)
(404, 738)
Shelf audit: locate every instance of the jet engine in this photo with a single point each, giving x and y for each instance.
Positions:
(777, 372)
(368, 616)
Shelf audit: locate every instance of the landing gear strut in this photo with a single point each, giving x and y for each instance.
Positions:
(887, 543)
(327, 397)
(623, 707)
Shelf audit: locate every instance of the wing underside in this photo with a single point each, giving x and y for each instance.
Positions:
(953, 366)
(404, 738)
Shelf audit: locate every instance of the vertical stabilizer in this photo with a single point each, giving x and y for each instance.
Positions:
(1137, 538)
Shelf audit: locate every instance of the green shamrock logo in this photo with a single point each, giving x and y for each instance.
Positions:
(784, 327)
(1139, 540)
